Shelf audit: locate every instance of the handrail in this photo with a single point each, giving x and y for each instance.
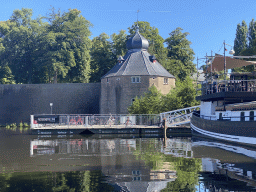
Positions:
(233, 118)
(177, 110)
(228, 86)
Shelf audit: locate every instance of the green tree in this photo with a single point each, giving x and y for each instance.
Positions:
(68, 47)
(156, 42)
(6, 76)
(240, 42)
(119, 43)
(153, 102)
(41, 52)
(182, 96)
(102, 57)
(252, 34)
(186, 172)
(20, 44)
(180, 55)
(150, 103)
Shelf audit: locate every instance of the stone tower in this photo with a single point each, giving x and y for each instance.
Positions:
(132, 76)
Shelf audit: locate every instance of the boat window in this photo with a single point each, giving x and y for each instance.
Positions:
(251, 115)
(220, 116)
(242, 116)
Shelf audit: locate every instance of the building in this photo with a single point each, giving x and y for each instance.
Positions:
(132, 76)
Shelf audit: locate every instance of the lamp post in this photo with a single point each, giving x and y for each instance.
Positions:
(231, 52)
(51, 104)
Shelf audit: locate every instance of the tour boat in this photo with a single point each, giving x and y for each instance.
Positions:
(228, 107)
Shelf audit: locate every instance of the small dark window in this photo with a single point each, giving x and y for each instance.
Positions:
(135, 79)
(251, 115)
(107, 80)
(166, 81)
(242, 116)
(220, 116)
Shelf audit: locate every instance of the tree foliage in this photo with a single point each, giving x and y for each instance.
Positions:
(150, 103)
(180, 55)
(119, 43)
(245, 44)
(37, 51)
(68, 46)
(153, 102)
(240, 42)
(102, 57)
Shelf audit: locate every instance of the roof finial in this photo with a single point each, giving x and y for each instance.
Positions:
(137, 26)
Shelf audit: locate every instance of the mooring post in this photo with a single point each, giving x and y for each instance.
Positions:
(165, 129)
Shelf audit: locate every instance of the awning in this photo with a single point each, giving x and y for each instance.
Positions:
(218, 63)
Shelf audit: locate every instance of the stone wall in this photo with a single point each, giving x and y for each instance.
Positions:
(18, 102)
(163, 87)
(117, 93)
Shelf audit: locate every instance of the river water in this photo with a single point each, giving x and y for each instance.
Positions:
(123, 163)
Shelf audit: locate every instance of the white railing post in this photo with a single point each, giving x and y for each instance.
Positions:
(32, 121)
(86, 121)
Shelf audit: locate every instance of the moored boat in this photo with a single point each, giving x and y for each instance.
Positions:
(228, 108)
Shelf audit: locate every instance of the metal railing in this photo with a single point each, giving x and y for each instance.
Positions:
(179, 116)
(229, 86)
(90, 120)
(226, 118)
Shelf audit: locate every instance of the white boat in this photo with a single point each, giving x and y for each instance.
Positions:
(228, 108)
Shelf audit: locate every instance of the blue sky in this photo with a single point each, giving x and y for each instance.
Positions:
(209, 22)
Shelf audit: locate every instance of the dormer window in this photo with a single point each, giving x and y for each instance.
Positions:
(120, 60)
(135, 79)
(152, 59)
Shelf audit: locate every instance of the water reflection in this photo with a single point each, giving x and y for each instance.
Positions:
(225, 166)
(115, 163)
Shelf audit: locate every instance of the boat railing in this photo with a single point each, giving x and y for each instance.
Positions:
(228, 86)
(225, 118)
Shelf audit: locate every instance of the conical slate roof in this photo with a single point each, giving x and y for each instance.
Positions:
(138, 61)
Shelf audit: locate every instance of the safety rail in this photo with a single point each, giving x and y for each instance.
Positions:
(91, 120)
(228, 86)
(226, 118)
(179, 116)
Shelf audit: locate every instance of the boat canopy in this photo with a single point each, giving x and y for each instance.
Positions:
(218, 63)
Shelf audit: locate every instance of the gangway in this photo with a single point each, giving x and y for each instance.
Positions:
(178, 117)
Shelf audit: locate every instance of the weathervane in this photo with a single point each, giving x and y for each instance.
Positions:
(138, 16)
(137, 27)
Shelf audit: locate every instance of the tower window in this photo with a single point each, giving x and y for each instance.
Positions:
(135, 79)
(166, 81)
(107, 80)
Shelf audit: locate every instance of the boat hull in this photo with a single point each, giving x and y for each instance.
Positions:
(232, 131)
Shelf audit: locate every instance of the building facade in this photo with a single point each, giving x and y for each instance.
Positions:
(132, 76)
